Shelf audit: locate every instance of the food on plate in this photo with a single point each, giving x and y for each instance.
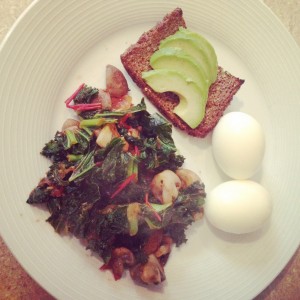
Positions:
(238, 145)
(197, 47)
(178, 68)
(116, 83)
(238, 206)
(191, 107)
(176, 59)
(116, 182)
(136, 60)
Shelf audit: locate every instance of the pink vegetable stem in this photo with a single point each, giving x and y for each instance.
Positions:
(123, 185)
(74, 95)
(83, 106)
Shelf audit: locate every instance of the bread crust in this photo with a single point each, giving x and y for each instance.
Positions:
(136, 59)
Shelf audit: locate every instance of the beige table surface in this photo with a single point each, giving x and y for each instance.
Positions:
(15, 283)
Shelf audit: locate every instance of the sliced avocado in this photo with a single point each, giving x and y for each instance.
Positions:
(189, 46)
(196, 46)
(192, 101)
(208, 48)
(177, 59)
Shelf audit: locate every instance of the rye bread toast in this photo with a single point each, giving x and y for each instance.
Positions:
(136, 59)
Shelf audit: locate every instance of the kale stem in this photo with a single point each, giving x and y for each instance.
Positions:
(85, 164)
(71, 137)
(96, 122)
(133, 167)
(111, 114)
(74, 157)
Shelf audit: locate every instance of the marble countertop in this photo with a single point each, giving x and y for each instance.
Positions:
(15, 283)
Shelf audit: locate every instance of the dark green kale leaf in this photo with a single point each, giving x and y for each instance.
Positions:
(133, 192)
(69, 142)
(177, 233)
(158, 150)
(115, 164)
(193, 196)
(78, 140)
(53, 185)
(55, 149)
(174, 162)
(148, 154)
(72, 211)
(59, 173)
(86, 95)
(112, 221)
(104, 228)
(41, 194)
(101, 153)
(176, 218)
(188, 203)
(102, 247)
(164, 134)
(85, 164)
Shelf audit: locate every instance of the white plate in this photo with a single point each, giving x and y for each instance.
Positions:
(58, 44)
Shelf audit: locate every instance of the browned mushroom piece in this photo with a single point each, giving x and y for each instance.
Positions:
(149, 273)
(120, 259)
(165, 247)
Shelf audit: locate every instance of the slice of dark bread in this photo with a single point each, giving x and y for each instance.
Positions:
(136, 59)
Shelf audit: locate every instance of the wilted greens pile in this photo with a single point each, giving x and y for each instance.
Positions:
(102, 192)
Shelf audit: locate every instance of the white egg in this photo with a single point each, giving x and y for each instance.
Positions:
(238, 206)
(238, 145)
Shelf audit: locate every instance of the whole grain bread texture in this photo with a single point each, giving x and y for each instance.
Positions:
(136, 59)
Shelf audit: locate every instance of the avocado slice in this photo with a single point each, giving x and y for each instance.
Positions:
(192, 100)
(196, 46)
(206, 46)
(177, 59)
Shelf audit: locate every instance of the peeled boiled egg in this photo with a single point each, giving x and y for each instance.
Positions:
(238, 145)
(238, 206)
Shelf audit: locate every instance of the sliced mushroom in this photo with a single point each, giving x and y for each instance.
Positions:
(187, 177)
(149, 273)
(165, 186)
(120, 259)
(153, 273)
(70, 124)
(125, 255)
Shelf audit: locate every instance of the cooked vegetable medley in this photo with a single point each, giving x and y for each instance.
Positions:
(116, 182)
